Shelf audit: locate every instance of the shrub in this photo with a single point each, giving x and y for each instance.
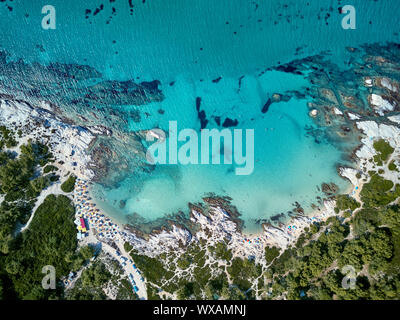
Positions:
(51, 237)
(383, 149)
(49, 168)
(377, 192)
(271, 254)
(69, 185)
(392, 166)
(345, 202)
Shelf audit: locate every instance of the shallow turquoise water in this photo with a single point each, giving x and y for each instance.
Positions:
(288, 165)
(192, 43)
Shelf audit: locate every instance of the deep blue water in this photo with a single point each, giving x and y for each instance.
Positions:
(191, 43)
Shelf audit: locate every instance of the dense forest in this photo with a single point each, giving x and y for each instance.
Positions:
(51, 236)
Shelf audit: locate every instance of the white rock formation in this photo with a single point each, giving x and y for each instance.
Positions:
(380, 105)
(337, 111)
(368, 82)
(350, 174)
(68, 143)
(395, 118)
(353, 116)
(386, 83)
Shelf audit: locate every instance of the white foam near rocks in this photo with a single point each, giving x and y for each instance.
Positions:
(68, 143)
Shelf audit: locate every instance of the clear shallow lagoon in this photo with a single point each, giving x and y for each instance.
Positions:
(289, 165)
(192, 43)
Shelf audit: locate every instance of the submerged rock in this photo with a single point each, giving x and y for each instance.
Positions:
(230, 123)
(266, 106)
(329, 188)
(122, 204)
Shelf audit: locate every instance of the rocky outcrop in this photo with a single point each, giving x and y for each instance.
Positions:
(380, 104)
(68, 143)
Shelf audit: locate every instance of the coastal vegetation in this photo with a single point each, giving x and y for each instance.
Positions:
(69, 185)
(50, 238)
(315, 270)
(364, 235)
(19, 187)
(383, 149)
(271, 253)
(101, 273)
(49, 168)
(345, 202)
(7, 138)
(379, 192)
(392, 166)
(364, 239)
(202, 272)
(89, 285)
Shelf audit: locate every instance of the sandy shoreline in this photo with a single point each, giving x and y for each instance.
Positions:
(107, 229)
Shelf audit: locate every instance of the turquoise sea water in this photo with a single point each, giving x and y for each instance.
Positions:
(191, 43)
(288, 165)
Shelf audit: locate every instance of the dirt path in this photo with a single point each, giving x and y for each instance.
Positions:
(53, 189)
(128, 267)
